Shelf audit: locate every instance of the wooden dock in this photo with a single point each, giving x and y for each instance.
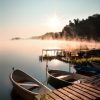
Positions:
(83, 91)
(87, 90)
(79, 91)
(54, 52)
(94, 80)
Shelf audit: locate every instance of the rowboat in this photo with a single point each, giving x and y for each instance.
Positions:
(26, 86)
(58, 78)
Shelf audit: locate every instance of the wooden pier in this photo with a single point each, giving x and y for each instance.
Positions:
(87, 90)
(54, 52)
(94, 80)
(78, 91)
(60, 54)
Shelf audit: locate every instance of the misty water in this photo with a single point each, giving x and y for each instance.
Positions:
(24, 55)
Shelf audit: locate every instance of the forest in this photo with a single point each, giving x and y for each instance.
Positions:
(83, 29)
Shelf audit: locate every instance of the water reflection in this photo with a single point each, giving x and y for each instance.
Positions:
(15, 95)
(50, 79)
(24, 55)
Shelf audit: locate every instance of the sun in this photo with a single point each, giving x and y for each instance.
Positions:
(54, 22)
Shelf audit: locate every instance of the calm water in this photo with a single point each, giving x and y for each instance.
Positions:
(24, 55)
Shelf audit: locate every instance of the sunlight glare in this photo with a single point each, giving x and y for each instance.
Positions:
(54, 22)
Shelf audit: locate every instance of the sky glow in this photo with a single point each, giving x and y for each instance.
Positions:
(27, 18)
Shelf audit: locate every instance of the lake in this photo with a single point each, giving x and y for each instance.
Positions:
(24, 55)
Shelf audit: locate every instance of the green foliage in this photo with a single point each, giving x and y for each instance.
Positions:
(83, 60)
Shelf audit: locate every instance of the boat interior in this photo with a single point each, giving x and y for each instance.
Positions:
(24, 80)
(66, 76)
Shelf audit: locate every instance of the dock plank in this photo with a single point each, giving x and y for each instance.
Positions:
(95, 81)
(70, 96)
(82, 91)
(82, 94)
(86, 91)
(93, 78)
(73, 94)
(98, 84)
(89, 88)
(64, 97)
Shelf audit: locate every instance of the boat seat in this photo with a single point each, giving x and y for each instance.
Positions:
(62, 76)
(29, 84)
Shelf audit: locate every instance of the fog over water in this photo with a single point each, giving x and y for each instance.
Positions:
(24, 55)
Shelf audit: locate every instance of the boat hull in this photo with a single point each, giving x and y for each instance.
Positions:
(59, 79)
(57, 83)
(19, 77)
(22, 93)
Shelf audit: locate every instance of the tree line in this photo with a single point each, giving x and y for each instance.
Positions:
(83, 29)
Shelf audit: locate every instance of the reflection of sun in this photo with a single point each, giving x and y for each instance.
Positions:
(54, 22)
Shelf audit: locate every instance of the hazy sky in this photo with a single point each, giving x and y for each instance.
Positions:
(27, 18)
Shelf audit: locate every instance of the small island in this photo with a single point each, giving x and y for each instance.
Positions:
(16, 38)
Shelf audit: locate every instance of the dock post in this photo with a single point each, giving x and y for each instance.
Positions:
(69, 67)
(46, 70)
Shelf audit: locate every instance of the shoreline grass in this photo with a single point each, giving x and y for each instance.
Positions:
(84, 60)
